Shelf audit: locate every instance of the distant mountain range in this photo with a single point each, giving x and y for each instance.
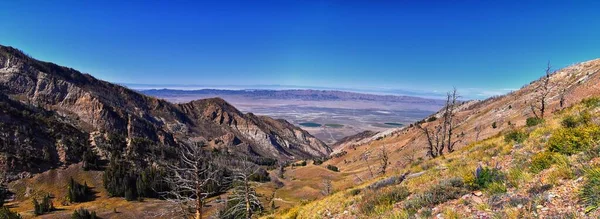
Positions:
(297, 94)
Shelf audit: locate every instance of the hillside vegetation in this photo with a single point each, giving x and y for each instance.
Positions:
(503, 151)
(547, 170)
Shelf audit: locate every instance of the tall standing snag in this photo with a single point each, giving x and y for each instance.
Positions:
(192, 179)
(243, 202)
(542, 91)
(384, 160)
(440, 136)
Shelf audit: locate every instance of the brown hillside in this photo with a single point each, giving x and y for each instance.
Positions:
(575, 82)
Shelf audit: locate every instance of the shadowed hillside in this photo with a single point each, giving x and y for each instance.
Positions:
(100, 108)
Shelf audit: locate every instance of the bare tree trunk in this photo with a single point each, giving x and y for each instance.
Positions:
(440, 137)
(192, 179)
(544, 89)
(384, 160)
(451, 105)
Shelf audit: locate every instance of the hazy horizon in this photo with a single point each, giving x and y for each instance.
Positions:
(466, 93)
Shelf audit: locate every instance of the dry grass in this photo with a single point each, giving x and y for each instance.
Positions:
(55, 182)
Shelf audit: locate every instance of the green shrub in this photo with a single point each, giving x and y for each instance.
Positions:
(533, 121)
(355, 192)
(44, 207)
(431, 119)
(484, 176)
(572, 121)
(590, 192)
(78, 192)
(6, 213)
(572, 140)
(495, 188)
(318, 161)
(121, 179)
(569, 122)
(446, 190)
(333, 168)
(515, 136)
(542, 161)
(83, 213)
(516, 175)
(301, 164)
(382, 198)
(591, 102)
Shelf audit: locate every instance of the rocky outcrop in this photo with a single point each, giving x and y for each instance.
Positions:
(101, 107)
(283, 138)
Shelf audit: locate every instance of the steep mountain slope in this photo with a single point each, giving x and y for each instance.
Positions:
(99, 108)
(34, 139)
(481, 129)
(476, 119)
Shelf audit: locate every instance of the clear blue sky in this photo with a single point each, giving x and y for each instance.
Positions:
(486, 46)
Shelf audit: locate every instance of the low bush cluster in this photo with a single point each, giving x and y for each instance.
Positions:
(78, 192)
(318, 161)
(516, 175)
(333, 168)
(83, 213)
(485, 176)
(301, 164)
(384, 198)
(122, 180)
(45, 206)
(542, 161)
(533, 121)
(569, 141)
(355, 192)
(6, 213)
(446, 190)
(573, 121)
(392, 180)
(591, 102)
(516, 136)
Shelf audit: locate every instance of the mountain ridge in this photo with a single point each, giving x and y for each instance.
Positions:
(101, 107)
(301, 94)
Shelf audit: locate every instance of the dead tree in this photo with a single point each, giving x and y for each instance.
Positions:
(243, 201)
(449, 117)
(327, 187)
(440, 136)
(478, 130)
(192, 179)
(384, 160)
(562, 98)
(281, 170)
(542, 91)
(365, 156)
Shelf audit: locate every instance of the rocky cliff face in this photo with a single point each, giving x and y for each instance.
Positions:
(98, 107)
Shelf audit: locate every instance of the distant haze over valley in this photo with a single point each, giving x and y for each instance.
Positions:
(327, 114)
(466, 93)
